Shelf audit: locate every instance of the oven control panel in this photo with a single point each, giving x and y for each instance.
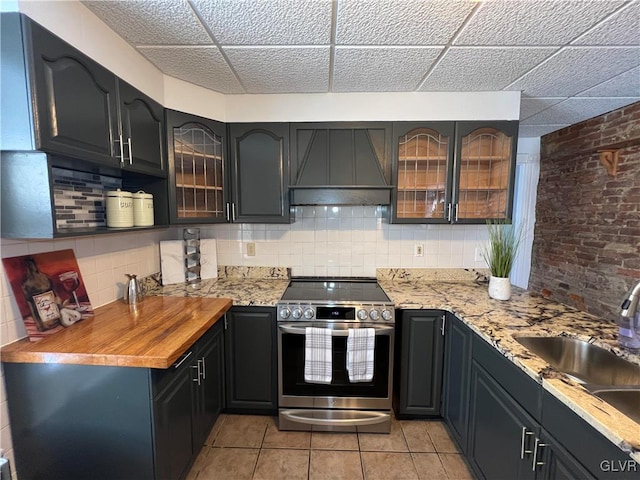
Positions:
(337, 313)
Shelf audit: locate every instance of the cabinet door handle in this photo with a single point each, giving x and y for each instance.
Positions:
(448, 212)
(525, 433)
(228, 217)
(130, 151)
(455, 217)
(204, 368)
(233, 212)
(197, 367)
(177, 365)
(121, 148)
(535, 462)
(444, 321)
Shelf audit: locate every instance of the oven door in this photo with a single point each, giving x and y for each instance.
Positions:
(294, 391)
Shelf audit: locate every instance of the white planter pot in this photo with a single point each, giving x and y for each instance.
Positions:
(500, 288)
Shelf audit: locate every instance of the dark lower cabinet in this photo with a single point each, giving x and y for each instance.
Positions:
(501, 433)
(251, 360)
(421, 342)
(513, 428)
(187, 404)
(455, 388)
(101, 422)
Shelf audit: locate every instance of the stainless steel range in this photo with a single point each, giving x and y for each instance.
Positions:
(339, 403)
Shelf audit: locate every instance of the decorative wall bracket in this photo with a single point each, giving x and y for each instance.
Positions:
(609, 158)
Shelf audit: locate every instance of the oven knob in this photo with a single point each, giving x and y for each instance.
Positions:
(374, 314)
(362, 314)
(285, 312)
(308, 313)
(297, 313)
(387, 314)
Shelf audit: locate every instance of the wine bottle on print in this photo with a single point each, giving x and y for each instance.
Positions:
(39, 292)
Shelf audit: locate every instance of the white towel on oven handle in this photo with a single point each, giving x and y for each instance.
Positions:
(360, 354)
(317, 355)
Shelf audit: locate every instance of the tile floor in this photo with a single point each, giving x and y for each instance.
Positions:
(251, 447)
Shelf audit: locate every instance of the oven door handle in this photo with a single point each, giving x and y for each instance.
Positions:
(334, 333)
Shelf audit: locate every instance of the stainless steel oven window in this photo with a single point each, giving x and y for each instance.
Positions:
(367, 395)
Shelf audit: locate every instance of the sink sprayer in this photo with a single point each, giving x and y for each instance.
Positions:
(629, 321)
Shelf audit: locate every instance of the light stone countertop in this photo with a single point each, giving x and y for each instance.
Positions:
(525, 314)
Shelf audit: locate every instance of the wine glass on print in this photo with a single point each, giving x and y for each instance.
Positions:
(71, 283)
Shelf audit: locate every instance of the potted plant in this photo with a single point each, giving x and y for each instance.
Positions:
(499, 253)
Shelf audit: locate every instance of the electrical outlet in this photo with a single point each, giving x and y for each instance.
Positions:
(418, 250)
(251, 249)
(479, 254)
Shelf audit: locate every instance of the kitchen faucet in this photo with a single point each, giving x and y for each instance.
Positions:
(629, 321)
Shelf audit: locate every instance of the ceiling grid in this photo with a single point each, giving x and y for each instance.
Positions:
(571, 59)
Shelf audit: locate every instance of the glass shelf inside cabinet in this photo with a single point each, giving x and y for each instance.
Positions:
(422, 174)
(199, 171)
(485, 169)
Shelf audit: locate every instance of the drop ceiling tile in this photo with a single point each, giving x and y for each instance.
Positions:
(152, 22)
(378, 69)
(203, 66)
(574, 110)
(623, 28)
(272, 22)
(482, 69)
(281, 69)
(626, 84)
(407, 22)
(533, 22)
(531, 106)
(538, 130)
(575, 69)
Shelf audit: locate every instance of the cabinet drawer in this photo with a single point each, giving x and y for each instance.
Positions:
(519, 385)
(161, 378)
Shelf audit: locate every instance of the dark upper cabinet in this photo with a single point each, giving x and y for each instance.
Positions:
(259, 159)
(142, 137)
(485, 168)
(422, 171)
(421, 342)
(198, 186)
(251, 360)
(76, 108)
(453, 172)
(455, 388)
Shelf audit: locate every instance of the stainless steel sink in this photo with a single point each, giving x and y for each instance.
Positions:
(585, 362)
(627, 401)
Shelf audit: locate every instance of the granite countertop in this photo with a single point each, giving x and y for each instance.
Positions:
(525, 314)
(246, 286)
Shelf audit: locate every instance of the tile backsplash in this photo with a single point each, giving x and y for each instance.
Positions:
(79, 198)
(347, 241)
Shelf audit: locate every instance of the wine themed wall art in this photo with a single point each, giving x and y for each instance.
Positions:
(49, 291)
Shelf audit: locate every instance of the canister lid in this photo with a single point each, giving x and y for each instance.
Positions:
(142, 194)
(118, 194)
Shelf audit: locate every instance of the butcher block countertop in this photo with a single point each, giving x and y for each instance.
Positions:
(152, 334)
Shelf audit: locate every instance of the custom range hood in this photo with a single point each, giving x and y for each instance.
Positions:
(341, 164)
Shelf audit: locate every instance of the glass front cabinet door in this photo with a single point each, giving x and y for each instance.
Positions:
(453, 172)
(196, 169)
(484, 170)
(422, 171)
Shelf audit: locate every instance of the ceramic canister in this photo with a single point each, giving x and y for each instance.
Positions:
(142, 209)
(119, 209)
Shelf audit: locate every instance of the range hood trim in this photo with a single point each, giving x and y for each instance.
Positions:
(340, 194)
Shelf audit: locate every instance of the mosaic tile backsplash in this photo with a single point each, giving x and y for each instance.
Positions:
(80, 198)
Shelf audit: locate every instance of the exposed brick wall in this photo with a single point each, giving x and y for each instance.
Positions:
(586, 249)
